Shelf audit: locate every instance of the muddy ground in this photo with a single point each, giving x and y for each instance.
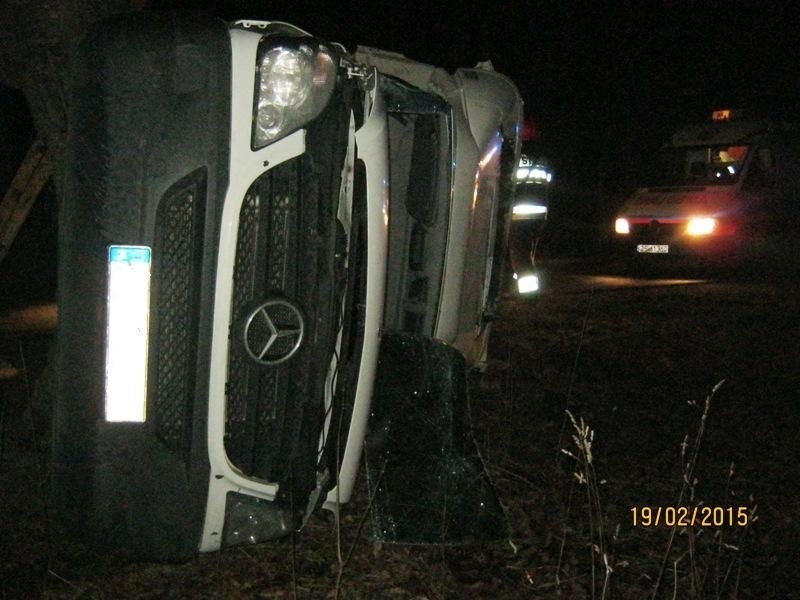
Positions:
(636, 364)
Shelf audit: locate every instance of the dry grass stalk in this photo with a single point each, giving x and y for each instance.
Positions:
(583, 438)
(701, 565)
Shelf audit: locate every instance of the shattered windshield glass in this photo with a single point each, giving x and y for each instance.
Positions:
(429, 483)
(697, 165)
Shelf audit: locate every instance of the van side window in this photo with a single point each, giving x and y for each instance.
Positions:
(762, 170)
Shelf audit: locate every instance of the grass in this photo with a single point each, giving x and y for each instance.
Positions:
(711, 554)
(635, 363)
(645, 355)
(586, 476)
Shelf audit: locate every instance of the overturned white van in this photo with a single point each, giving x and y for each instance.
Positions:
(250, 215)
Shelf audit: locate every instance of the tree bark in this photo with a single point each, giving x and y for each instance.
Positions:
(36, 37)
(31, 176)
(35, 41)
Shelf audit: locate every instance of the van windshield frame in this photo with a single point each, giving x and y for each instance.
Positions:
(696, 165)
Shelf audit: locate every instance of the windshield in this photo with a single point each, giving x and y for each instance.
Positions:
(696, 165)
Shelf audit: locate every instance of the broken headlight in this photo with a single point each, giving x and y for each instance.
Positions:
(294, 82)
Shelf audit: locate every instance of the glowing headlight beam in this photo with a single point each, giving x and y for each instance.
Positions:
(701, 226)
(622, 226)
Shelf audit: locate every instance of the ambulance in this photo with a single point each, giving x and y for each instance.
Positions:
(726, 189)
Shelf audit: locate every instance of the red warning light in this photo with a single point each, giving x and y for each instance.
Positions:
(725, 114)
(721, 115)
(530, 130)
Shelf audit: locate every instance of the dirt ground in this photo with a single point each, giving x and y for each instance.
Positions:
(634, 365)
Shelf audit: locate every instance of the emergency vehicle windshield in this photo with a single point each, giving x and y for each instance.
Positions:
(696, 165)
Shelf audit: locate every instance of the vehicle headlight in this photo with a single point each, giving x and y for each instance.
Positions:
(622, 226)
(294, 82)
(701, 226)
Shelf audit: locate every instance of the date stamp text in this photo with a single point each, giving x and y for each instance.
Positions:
(690, 516)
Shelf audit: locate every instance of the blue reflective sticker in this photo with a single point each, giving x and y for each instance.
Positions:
(129, 254)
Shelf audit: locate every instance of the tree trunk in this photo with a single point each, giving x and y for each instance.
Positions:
(31, 176)
(35, 41)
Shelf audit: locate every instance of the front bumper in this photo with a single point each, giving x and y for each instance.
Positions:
(669, 238)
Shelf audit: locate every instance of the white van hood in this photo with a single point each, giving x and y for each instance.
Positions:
(685, 202)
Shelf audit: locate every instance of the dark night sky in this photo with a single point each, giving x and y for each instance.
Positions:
(605, 80)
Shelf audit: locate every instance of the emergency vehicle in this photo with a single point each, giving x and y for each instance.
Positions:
(723, 189)
(534, 177)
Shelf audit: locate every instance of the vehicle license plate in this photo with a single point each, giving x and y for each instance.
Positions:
(653, 248)
(128, 309)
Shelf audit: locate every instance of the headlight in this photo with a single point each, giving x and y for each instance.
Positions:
(622, 226)
(701, 226)
(294, 82)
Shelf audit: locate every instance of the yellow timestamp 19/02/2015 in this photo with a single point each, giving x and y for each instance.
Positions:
(690, 516)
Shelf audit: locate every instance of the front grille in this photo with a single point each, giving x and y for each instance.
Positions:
(177, 252)
(267, 256)
(290, 252)
(656, 232)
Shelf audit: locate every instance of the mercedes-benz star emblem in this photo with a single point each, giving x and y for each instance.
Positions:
(273, 331)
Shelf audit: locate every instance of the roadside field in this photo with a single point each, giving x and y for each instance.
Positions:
(634, 366)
